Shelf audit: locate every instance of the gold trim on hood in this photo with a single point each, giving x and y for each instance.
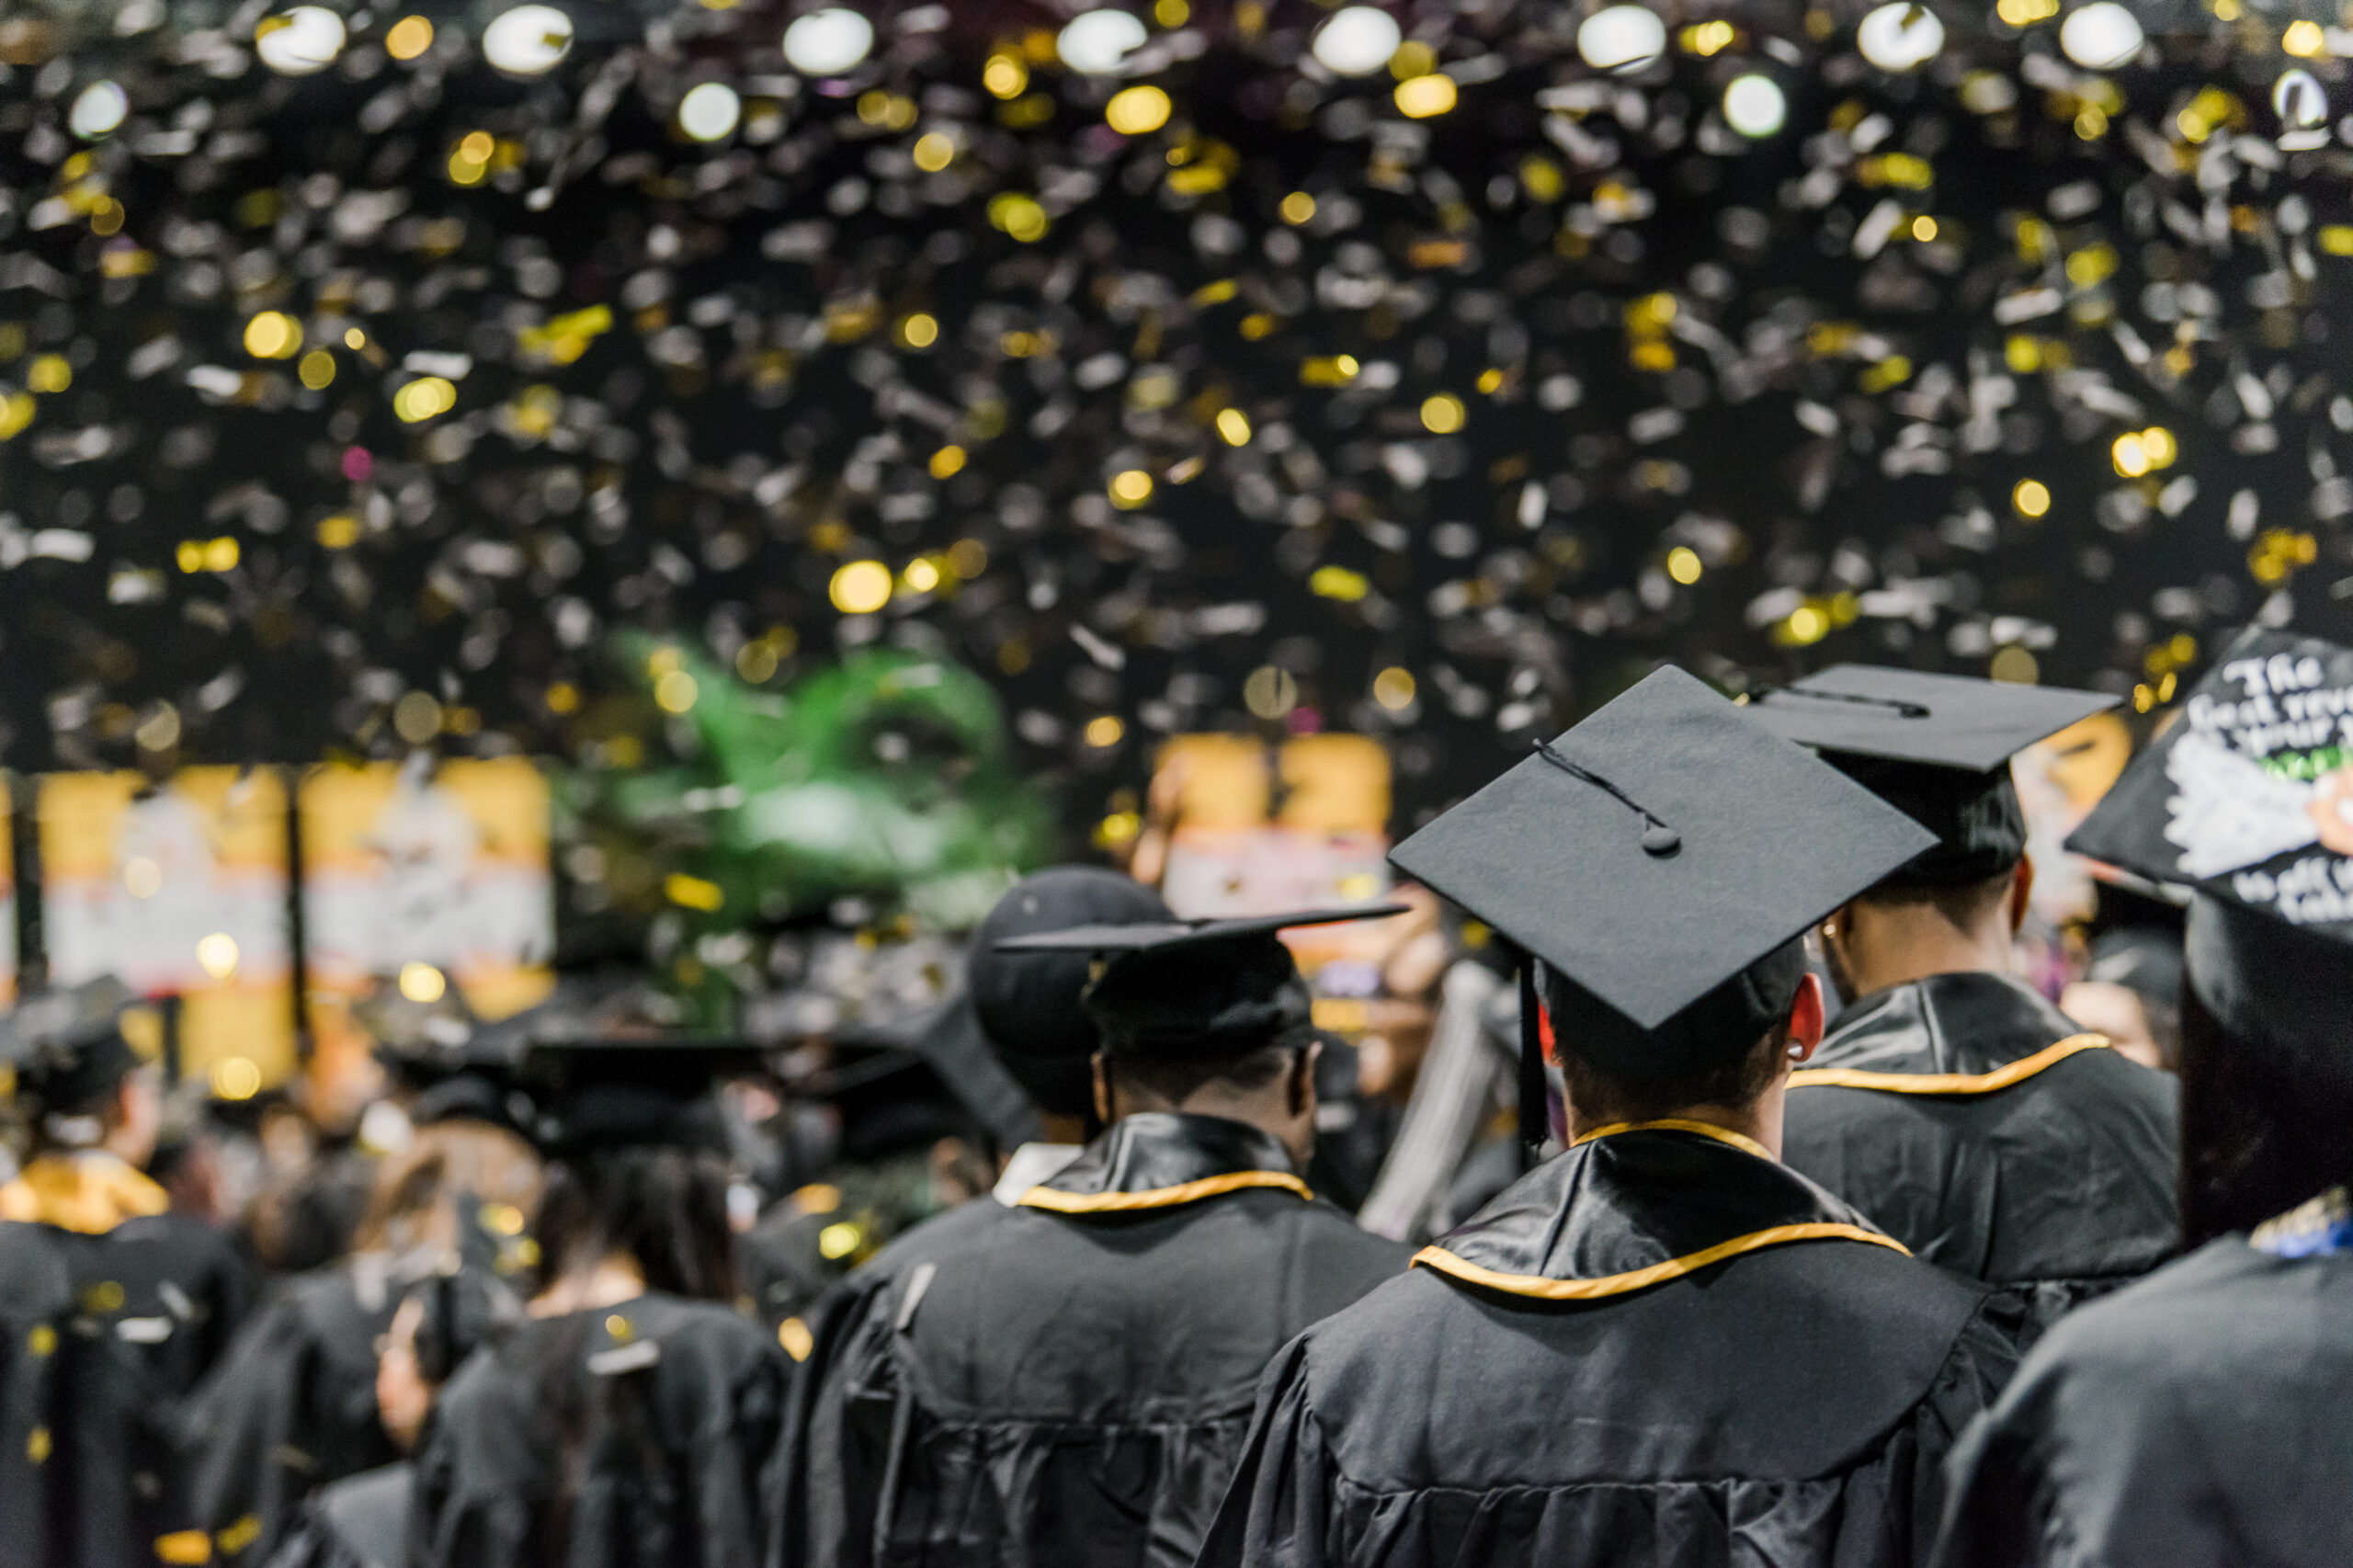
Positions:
(1060, 1202)
(1543, 1289)
(2018, 1071)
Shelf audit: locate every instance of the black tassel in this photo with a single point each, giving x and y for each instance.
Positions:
(1535, 1126)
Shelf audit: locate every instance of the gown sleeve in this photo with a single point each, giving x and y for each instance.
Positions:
(825, 1489)
(1277, 1507)
(482, 1463)
(738, 1381)
(2084, 1464)
(35, 1302)
(1984, 1356)
(240, 1441)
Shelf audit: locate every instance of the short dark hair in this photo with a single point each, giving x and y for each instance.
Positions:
(1962, 904)
(1738, 1082)
(1175, 1080)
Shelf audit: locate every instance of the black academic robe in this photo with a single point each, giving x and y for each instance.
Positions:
(1659, 1348)
(36, 1300)
(1978, 1125)
(292, 1405)
(2197, 1419)
(627, 1436)
(831, 1330)
(360, 1521)
(1071, 1382)
(156, 1299)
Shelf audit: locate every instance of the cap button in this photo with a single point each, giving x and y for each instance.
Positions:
(1660, 839)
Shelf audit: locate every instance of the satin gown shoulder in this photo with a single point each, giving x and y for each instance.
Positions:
(1070, 1383)
(1652, 1350)
(2194, 1420)
(1980, 1127)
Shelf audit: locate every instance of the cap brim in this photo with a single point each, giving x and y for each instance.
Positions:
(1771, 839)
(1911, 716)
(1108, 939)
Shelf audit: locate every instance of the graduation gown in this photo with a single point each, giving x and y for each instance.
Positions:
(155, 1299)
(625, 1436)
(36, 1298)
(1070, 1381)
(360, 1521)
(292, 1405)
(2194, 1420)
(1659, 1348)
(1976, 1123)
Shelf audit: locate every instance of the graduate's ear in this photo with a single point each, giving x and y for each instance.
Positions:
(1298, 1089)
(1807, 1018)
(2022, 891)
(1102, 1088)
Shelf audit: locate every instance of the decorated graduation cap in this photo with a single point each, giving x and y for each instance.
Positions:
(1027, 1001)
(2249, 801)
(71, 1046)
(1657, 861)
(1196, 989)
(1935, 747)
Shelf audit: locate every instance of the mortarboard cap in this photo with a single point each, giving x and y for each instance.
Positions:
(1027, 1002)
(2249, 801)
(603, 1094)
(912, 1080)
(1191, 989)
(1937, 748)
(1650, 859)
(69, 1047)
(606, 1065)
(453, 1066)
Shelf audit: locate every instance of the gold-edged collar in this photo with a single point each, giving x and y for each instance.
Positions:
(89, 1192)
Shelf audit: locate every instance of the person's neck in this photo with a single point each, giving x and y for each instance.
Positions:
(126, 1147)
(1053, 1128)
(1759, 1123)
(1261, 1111)
(1904, 948)
(616, 1279)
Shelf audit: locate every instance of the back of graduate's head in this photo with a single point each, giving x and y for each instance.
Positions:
(1217, 1028)
(1957, 905)
(1727, 1053)
(419, 1195)
(660, 1207)
(2267, 1075)
(86, 1085)
(1029, 1002)
(639, 1170)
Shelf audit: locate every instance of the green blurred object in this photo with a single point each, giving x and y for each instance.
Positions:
(888, 778)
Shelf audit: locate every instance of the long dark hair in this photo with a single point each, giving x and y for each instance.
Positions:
(663, 1208)
(2262, 1129)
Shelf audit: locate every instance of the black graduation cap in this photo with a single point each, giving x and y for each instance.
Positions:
(605, 1064)
(2248, 800)
(70, 1045)
(1196, 988)
(910, 1080)
(603, 1094)
(452, 1065)
(1650, 859)
(1027, 1003)
(1935, 747)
